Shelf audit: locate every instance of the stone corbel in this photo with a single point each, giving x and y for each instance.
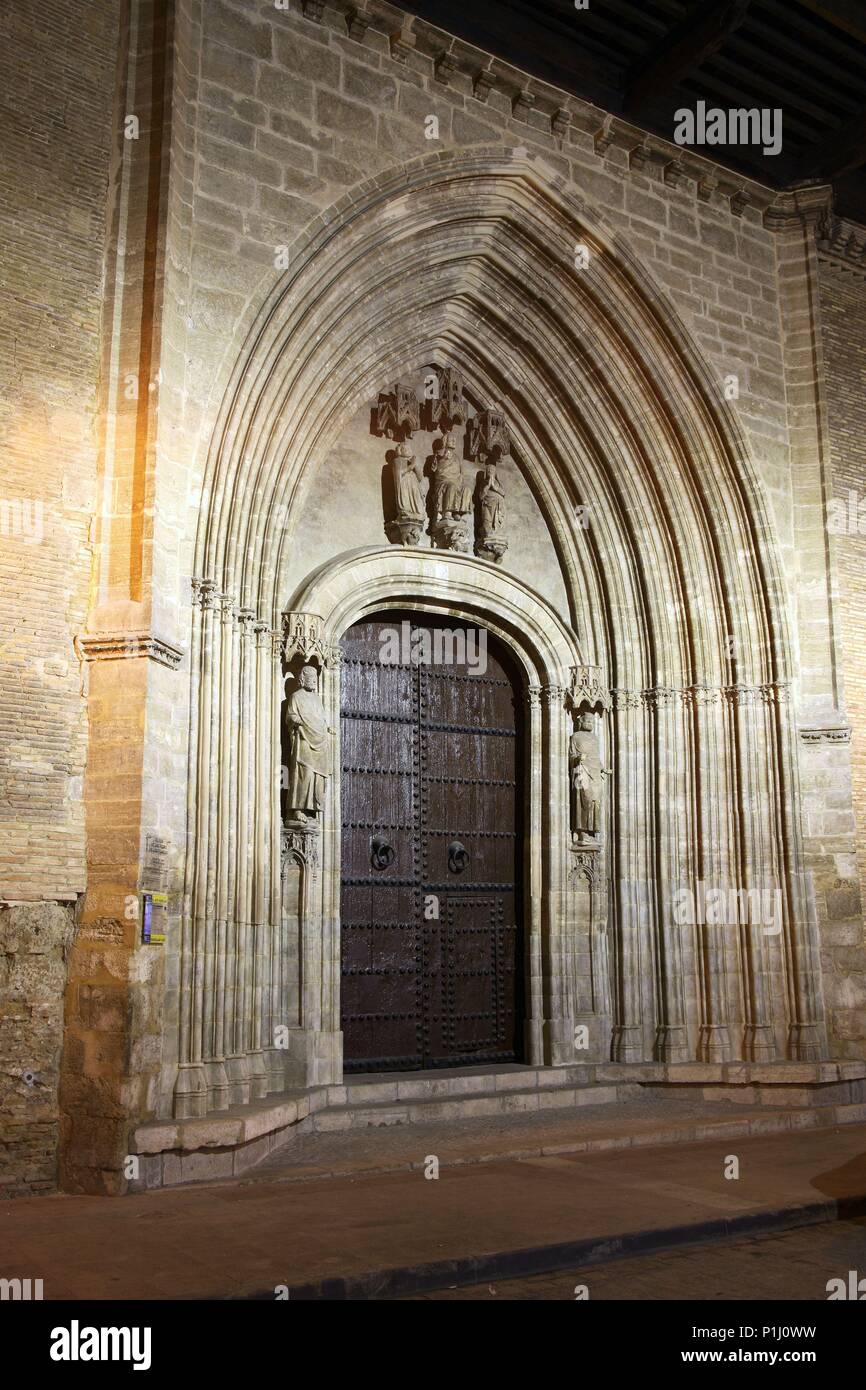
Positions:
(302, 846)
(583, 862)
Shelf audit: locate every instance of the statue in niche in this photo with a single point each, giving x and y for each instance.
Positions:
(308, 750)
(451, 498)
(586, 779)
(408, 520)
(490, 543)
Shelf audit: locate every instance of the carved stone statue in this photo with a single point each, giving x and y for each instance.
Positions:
(490, 543)
(585, 777)
(308, 751)
(406, 526)
(452, 500)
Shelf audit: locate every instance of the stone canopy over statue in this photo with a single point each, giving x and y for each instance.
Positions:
(308, 729)
(586, 779)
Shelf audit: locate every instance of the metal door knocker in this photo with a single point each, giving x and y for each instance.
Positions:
(382, 856)
(458, 857)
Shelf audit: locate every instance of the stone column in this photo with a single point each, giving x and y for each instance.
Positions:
(714, 1042)
(753, 793)
(627, 829)
(665, 706)
(538, 775)
(807, 1032)
(190, 1091)
(558, 1024)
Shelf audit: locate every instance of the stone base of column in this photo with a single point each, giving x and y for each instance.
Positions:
(672, 1044)
(807, 1042)
(759, 1045)
(238, 1073)
(190, 1092)
(714, 1043)
(627, 1044)
(533, 1042)
(258, 1076)
(218, 1087)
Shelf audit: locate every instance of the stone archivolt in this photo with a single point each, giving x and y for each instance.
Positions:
(616, 407)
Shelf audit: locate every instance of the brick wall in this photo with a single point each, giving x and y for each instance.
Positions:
(59, 60)
(57, 73)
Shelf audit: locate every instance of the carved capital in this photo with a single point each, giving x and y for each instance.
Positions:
(203, 593)
(661, 697)
(553, 696)
(625, 699)
(741, 696)
(533, 696)
(227, 606)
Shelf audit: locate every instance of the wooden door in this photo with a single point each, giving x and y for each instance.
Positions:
(432, 947)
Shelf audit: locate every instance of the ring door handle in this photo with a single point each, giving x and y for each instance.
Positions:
(381, 853)
(458, 857)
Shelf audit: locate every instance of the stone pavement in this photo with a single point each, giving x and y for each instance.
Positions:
(343, 1235)
(794, 1266)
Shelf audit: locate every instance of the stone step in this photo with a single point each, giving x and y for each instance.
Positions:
(462, 1142)
(464, 1106)
(229, 1143)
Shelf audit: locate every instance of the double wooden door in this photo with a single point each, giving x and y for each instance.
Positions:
(432, 952)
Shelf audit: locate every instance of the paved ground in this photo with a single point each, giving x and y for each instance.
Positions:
(793, 1266)
(242, 1239)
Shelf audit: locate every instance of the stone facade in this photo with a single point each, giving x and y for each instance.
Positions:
(843, 318)
(302, 210)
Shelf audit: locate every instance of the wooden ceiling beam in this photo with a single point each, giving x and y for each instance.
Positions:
(838, 153)
(696, 38)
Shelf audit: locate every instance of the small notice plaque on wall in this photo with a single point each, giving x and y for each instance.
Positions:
(154, 912)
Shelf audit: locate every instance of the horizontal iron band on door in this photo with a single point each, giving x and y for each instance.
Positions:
(429, 924)
(377, 825)
(380, 771)
(452, 889)
(426, 670)
(425, 726)
(475, 781)
(372, 970)
(379, 926)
